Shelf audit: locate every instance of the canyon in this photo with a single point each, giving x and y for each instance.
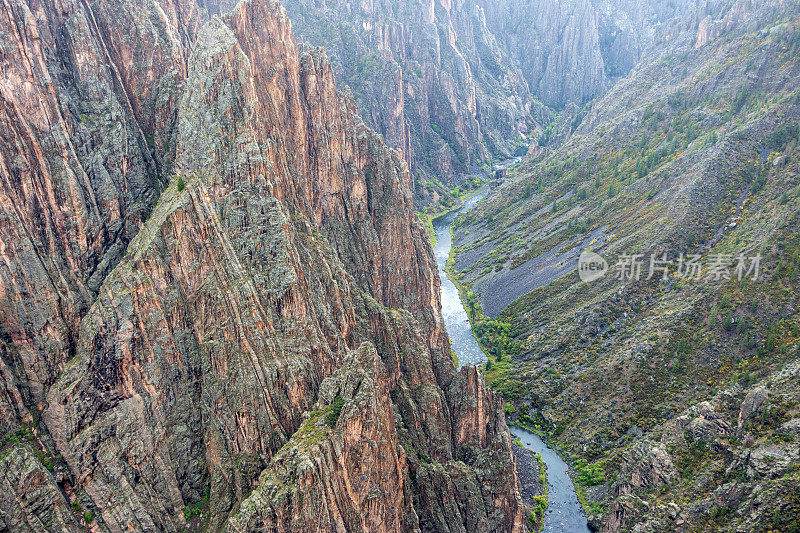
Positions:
(221, 309)
(459, 86)
(663, 390)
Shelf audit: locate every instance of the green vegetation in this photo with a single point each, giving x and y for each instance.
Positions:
(26, 435)
(536, 515)
(589, 475)
(495, 337)
(181, 184)
(334, 411)
(200, 509)
(547, 134)
(496, 340)
(77, 508)
(21, 435)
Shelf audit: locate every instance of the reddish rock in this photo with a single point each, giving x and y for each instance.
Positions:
(175, 351)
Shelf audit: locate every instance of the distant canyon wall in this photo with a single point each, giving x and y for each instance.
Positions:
(429, 76)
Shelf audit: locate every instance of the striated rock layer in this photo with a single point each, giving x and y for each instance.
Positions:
(217, 306)
(430, 77)
(572, 51)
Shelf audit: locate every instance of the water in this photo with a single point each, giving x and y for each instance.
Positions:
(564, 511)
(455, 317)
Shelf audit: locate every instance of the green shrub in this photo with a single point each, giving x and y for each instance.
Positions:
(181, 184)
(589, 475)
(728, 323)
(335, 410)
(539, 508)
(527, 191)
(739, 100)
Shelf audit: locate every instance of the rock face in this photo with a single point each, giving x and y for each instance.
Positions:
(557, 45)
(216, 302)
(429, 76)
(87, 108)
(742, 483)
(570, 52)
(29, 496)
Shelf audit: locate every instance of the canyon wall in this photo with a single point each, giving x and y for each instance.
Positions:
(571, 52)
(430, 77)
(458, 85)
(217, 307)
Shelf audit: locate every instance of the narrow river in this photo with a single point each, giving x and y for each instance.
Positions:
(564, 512)
(455, 317)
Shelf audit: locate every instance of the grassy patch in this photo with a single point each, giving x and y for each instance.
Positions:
(334, 411)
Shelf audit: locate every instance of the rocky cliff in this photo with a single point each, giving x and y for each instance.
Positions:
(217, 308)
(570, 52)
(430, 77)
(557, 45)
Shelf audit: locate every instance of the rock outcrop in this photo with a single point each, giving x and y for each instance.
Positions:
(215, 299)
(87, 108)
(455, 85)
(30, 498)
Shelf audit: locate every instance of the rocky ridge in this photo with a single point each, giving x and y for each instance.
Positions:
(218, 309)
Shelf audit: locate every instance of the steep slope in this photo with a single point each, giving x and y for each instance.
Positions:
(88, 109)
(570, 52)
(669, 394)
(271, 323)
(428, 76)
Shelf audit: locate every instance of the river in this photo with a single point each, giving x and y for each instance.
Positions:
(564, 512)
(455, 317)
